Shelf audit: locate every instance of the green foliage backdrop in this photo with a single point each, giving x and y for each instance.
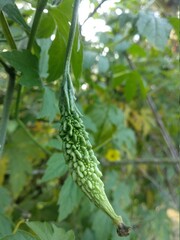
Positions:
(126, 83)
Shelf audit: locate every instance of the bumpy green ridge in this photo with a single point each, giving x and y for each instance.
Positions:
(82, 161)
(78, 152)
(79, 155)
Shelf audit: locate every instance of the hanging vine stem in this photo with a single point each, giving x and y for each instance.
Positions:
(11, 83)
(66, 89)
(7, 31)
(6, 107)
(167, 138)
(78, 152)
(10, 89)
(39, 10)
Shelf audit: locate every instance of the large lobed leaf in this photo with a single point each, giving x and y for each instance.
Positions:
(56, 167)
(69, 198)
(25, 62)
(48, 231)
(154, 28)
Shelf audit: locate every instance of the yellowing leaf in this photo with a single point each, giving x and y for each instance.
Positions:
(113, 155)
(3, 167)
(142, 120)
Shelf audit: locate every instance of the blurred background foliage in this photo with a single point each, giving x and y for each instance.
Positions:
(125, 73)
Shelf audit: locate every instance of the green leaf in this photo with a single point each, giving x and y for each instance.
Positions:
(121, 196)
(107, 122)
(60, 233)
(124, 139)
(88, 235)
(13, 12)
(44, 44)
(58, 49)
(57, 53)
(175, 23)
(27, 63)
(130, 87)
(103, 64)
(55, 143)
(77, 57)
(102, 225)
(125, 18)
(122, 47)
(5, 226)
(89, 59)
(48, 231)
(6, 199)
(56, 167)
(137, 51)
(20, 235)
(46, 26)
(49, 106)
(134, 85)
(69, 198)
(116, 116)
(3, 3)
(155, 29)
(42, 229)
(20, 166)
(119, 72)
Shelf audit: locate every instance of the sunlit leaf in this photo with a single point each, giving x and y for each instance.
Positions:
(175, 23)
(13, 12)
(46, 26)
(44, 44)
(154, 28)
(56, 57)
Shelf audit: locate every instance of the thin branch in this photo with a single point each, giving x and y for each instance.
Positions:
(158, 186)
(6, 67)
(39, 10)
(164, 132)
(11, 83)
(26, 130)
(71, 37)
(142, 161)
(168, 140)
(6, 31)
(6, 107)
(93, 12)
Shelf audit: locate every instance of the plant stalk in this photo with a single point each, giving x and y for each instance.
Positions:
(6, 31)
(11, 83)
(6, 109)
(71, 37)
(39, 10)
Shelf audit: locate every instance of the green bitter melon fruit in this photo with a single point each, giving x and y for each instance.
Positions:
(80, 157)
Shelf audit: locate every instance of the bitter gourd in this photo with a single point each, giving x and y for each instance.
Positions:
(80, 156)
